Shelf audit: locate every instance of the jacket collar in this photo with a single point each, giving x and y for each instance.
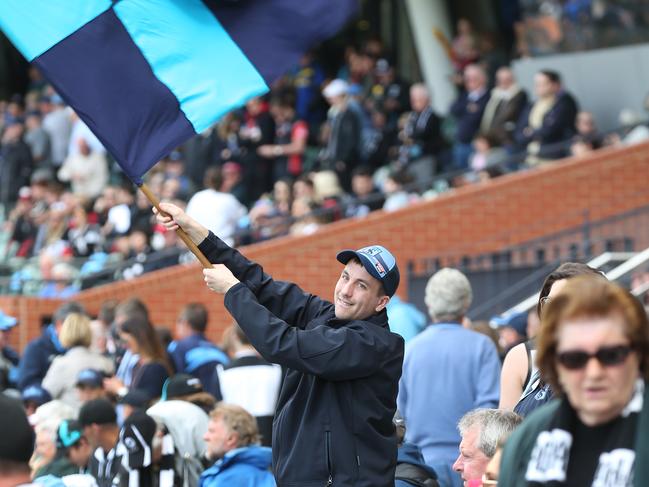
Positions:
(378, 319)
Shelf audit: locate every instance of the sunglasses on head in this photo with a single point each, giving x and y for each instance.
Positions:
(607, 356)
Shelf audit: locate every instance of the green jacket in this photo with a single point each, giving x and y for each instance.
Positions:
(59, 467)
(519, 447)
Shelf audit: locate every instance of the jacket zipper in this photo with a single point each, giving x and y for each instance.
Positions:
(328, 457)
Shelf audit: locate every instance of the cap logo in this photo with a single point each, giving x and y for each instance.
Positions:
(379, 268)
(371, 250)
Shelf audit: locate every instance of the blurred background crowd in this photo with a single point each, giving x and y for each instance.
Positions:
(325, 144)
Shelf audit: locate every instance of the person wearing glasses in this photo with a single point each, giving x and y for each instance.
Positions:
(593, 349)
(521, 387)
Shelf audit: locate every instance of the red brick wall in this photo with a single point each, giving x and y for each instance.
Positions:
(476, 219)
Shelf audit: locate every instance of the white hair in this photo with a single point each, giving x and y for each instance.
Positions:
(420, 89)
(55, 411)
(48, 428)
(448, 295)
(495, 427)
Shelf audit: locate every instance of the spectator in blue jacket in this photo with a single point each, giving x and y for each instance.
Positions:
(9, 358)
(448, 371)
(192, 353)
(41, 351)
(333, 423)
(232, 439)
(405, 319)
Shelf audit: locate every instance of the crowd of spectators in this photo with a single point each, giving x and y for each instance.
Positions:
(117, 401)
(554, 26)
(318, 148)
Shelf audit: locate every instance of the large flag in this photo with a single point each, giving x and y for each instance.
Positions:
(146, 75)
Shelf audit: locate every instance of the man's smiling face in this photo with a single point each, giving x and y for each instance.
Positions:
(358, 295)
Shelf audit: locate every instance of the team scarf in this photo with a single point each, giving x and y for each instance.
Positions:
(548, 463)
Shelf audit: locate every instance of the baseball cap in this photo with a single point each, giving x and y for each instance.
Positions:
(181, 385)
(337, 87)
(516, 320)
(97, 411)
(90, 378)
(379, 262)
(17, 440)
(36, 394)
(6, 321)
(135, 398)
(69, 433)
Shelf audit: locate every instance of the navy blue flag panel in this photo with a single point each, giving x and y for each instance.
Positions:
(146, 75)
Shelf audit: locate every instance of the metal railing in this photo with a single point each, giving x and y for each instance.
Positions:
(509, 279)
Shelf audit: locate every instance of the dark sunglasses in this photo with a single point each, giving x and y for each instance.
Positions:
(607, 356)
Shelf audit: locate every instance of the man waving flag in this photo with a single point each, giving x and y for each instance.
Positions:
(145, 75)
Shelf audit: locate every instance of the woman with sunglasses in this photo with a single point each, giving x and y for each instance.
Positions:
(593, 349)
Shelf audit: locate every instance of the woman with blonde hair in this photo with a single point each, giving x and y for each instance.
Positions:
(61, 378)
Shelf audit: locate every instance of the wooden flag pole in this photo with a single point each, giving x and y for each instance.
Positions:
(180, 232)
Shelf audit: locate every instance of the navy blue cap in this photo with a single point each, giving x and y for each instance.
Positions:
(516, 320)
(97, 411)
(6, 321)
(90, 378)
(37, 394)
(136, 398)
(379, 262)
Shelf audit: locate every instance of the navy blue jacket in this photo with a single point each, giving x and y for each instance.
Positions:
(37, 358)
(9, 360)
(468, 115)
(334, 415)
(197, 356)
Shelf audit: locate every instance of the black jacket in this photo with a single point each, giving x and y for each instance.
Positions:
(333, 424)
(468, 115)
(556, 131)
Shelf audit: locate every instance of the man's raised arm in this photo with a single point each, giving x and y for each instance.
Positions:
(283, 299)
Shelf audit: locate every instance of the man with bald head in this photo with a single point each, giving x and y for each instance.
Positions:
(423, 136)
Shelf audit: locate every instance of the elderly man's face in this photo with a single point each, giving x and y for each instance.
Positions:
(45, 444)
(218, 438)
(358, 295)
(471, 463)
